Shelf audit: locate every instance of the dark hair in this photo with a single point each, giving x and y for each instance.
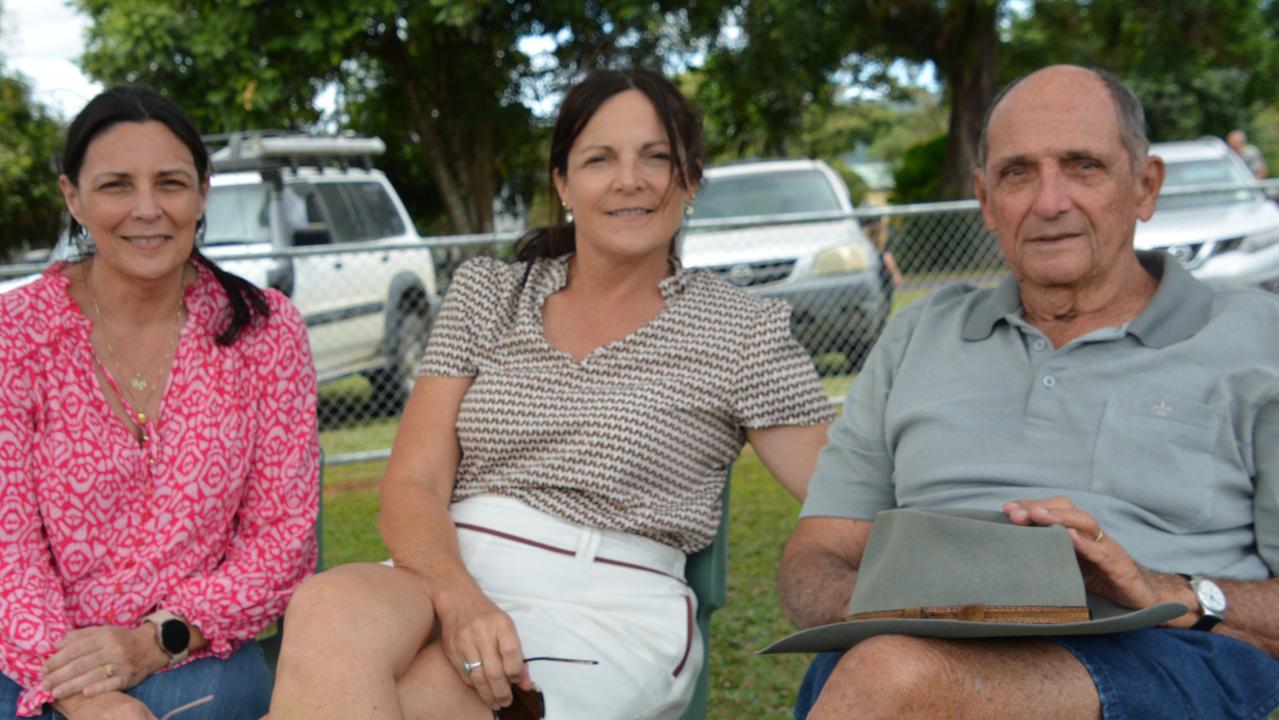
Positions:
(138, 105)
(1128, 111)
(683, 132)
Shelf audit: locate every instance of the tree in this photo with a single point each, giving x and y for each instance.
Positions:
(788, 56)
(444, 78)
(1199, 68)
(30, 203)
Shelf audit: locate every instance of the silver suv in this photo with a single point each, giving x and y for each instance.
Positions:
(1225, 236)
(783, 228)
(367, 291)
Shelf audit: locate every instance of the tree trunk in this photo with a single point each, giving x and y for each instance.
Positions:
(970, 65)
(446, 180)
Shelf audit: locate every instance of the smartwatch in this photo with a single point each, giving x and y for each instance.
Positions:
(172, 634)
(1212, 602)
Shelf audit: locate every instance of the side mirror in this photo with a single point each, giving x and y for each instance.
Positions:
(312, 234)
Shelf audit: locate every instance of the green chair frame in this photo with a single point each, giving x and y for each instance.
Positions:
(707, 573)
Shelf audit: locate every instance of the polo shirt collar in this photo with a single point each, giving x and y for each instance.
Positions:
(1180, 307)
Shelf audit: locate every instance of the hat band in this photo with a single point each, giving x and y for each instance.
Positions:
(1027, 614)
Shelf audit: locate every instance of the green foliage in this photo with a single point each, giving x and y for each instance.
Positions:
(30, 203)
(1199, 68)
(440, 81)
(917, 176)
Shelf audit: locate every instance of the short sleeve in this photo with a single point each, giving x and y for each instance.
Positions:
(1266, 505)
(854, 473)
(778, 384)
(450, 350)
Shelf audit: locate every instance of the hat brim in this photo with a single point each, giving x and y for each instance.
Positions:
(1107, 617)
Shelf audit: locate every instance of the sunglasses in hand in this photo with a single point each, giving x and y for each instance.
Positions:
(531, 704)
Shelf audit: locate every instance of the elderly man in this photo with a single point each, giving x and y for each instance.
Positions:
(1097, 388)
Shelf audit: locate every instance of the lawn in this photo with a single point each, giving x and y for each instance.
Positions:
(743, 685)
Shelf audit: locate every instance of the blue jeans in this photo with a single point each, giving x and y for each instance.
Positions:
(240, 686)
(1153, 673)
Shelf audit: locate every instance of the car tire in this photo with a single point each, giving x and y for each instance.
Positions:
(392, 384)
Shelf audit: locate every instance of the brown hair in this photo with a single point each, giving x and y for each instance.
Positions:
(683, 131)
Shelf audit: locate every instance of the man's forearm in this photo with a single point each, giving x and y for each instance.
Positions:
(815, 586)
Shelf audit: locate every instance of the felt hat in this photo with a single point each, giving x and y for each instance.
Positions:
(960, 573)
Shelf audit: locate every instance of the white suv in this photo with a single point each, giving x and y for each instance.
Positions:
(366, 286)
(784, 228)
(1225, 236)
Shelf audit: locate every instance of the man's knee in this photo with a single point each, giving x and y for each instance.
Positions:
(888, 676)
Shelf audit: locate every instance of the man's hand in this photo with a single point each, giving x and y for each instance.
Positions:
(1108, 570)
(112, 705)
(101, 659)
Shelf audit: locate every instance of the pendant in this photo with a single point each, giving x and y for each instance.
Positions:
(138, 383)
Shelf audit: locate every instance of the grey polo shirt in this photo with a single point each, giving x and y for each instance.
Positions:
(1166, 429)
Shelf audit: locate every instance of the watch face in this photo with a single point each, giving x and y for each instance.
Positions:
(175, 636)
(1211, 596)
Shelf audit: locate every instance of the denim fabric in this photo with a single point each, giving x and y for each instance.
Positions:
(1156, 673)
(240, 686)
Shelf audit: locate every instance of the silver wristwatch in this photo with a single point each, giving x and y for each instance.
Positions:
(1212, 602)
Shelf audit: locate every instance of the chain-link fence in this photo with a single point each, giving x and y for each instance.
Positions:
(368, 309)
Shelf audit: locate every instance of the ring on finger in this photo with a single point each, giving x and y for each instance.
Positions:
(467, 667)
(108, 669)
(1101, 535)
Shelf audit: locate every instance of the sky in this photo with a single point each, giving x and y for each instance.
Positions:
(42, 39)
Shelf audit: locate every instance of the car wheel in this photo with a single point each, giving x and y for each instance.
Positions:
(392, 384)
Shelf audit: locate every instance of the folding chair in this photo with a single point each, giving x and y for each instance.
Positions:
(707, 573)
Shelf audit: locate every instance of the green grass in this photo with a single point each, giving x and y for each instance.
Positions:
(743, 685)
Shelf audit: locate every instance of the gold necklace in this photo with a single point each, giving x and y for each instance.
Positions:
(138, 382)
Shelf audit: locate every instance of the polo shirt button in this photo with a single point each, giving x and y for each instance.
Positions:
(1040, 344)
(1049, 381)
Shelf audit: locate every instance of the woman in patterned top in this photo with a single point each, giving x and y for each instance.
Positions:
(565, 446)
(158, 447)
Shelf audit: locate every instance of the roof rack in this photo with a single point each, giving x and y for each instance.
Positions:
(271, 150)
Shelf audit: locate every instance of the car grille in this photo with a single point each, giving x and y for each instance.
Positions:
(1192, 255)
(759, 273)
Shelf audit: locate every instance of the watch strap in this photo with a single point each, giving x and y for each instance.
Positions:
(158, 619)
(1207, 619)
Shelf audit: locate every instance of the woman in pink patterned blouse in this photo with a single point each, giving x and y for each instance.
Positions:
(158, 446)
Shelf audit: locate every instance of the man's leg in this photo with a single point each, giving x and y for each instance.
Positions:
(895, 676)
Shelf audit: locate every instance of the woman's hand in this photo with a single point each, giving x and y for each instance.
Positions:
(111, 705)
(474, 630)
(103, 658)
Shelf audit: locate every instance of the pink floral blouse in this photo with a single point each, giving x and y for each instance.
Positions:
(214, 521)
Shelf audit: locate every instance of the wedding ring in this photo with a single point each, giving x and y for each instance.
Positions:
(1101, 535)
(108, 669)
(467, 667)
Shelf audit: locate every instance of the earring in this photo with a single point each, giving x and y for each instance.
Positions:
(688, 210)
(568, 215)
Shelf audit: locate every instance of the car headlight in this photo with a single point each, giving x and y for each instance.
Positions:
(1260, 241)
(841, 259)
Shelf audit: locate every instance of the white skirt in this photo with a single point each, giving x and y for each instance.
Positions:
(589, 594)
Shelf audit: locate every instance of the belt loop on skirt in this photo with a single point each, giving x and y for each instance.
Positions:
(588, 545)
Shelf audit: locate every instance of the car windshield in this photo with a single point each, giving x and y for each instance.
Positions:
(237, 214)
(1191, 173)
(771, 193)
